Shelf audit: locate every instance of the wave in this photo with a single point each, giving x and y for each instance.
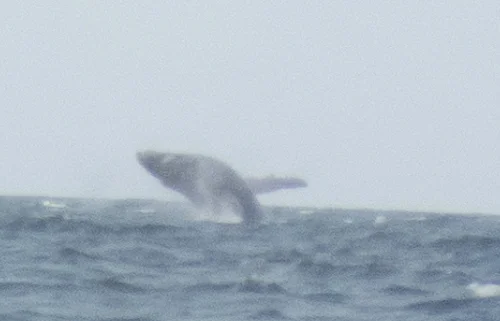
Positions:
(404, 290)
(23, 288)
(211, 287)
(441, 306)
(75, 256)
(60, 223)
(367, 270)
(247, 286)
(131, 261)
(328, 297)
(254, 286)
(267, 314)
(114, 284)
(467, 243)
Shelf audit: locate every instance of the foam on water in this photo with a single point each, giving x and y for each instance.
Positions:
(380, 220)
(50, 204)
(484, 290)
(227, 216)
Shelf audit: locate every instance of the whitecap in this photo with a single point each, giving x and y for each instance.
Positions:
(50, 204)
(380, 220)
(484, 290)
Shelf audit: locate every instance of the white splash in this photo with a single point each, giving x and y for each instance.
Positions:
(53, 204)
(226, 217)
(380, 220)
(484, 290)
(146, 211)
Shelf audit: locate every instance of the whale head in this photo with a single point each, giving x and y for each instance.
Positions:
(152, 161)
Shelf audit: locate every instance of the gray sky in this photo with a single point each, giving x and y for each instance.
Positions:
(381, 104)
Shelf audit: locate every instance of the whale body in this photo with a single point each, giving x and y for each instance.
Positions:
(207, 182)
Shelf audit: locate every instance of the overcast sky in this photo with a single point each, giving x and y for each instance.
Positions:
(378, 104)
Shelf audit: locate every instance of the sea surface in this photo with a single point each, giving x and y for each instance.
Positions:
(84, 259)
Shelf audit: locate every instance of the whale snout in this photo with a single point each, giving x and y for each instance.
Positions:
(142, 157)
(153, 161)
(148, 158)
(149, 155)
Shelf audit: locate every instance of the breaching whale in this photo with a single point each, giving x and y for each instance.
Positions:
(205, 181)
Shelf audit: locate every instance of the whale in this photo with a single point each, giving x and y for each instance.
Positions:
(205, 181)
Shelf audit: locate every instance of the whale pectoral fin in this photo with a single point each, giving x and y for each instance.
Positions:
(272, 183)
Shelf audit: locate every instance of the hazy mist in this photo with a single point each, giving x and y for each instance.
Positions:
(376, 104)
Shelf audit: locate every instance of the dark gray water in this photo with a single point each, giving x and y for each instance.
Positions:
(68, 259)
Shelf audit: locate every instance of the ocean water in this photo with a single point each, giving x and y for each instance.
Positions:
(82, 259)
